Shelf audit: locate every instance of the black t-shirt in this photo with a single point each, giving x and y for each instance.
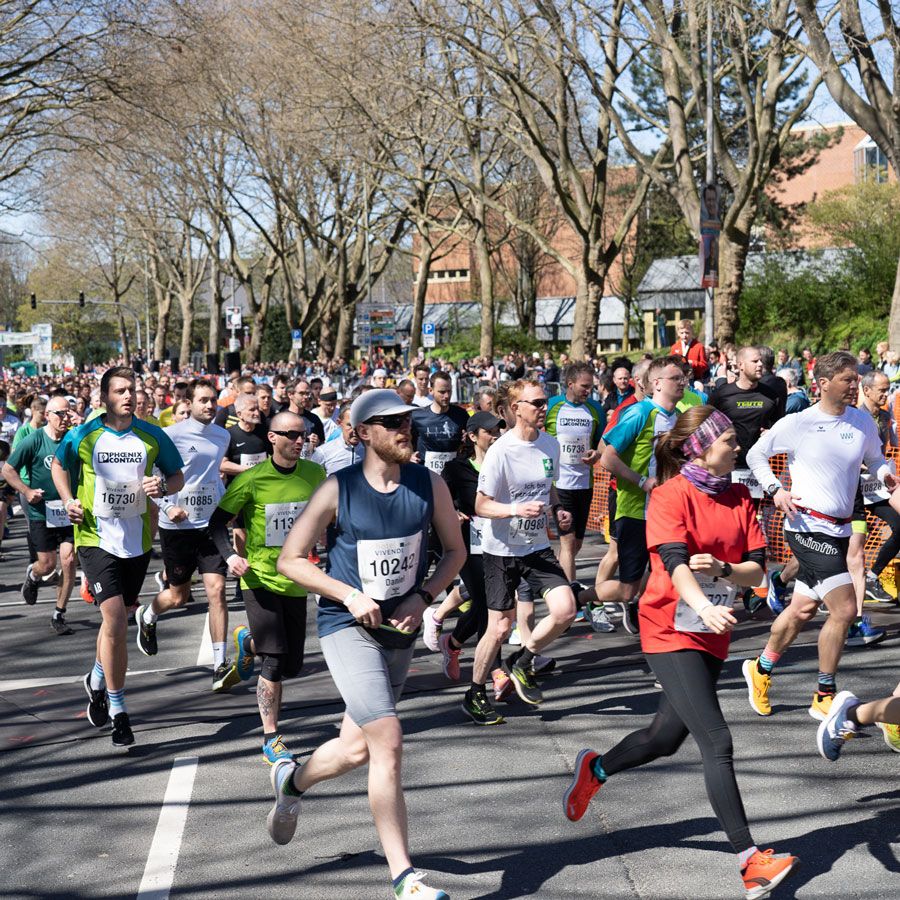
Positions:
(247, 443)
(438, 432)
(750, 411)
(779, 386)
(314, 425)
(226, 416)
(462, 480)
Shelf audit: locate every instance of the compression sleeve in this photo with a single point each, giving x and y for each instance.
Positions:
(218, 530)
(758, 556)
(673, 555)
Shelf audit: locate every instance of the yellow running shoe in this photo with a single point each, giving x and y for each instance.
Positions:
(821, 706)
(891, 735)
(757, 687)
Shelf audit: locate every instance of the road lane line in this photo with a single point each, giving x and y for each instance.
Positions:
(205, 656)
(159, 873)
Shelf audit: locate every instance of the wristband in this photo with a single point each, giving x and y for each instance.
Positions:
(351, 597)
(642, 481)
(69, 502)
(512, 509)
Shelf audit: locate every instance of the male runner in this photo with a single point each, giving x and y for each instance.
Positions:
(826, 444)
(629, 458)
(343, 451)
(515, 494)
(301, 397)
(115, 454)
(269, 497)
(48, 525)
(422, 397)
(248, 444)
(437, 430)
(227, 416)
(187, 546)
(576, 422)
(371, 606)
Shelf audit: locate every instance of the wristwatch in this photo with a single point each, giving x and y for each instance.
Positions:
(726, 570)
(772, 490)
(427, 596)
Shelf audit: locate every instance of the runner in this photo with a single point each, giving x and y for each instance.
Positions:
(421, 374)
(187, 546)
(437, 429)
(269, 496)
(370, 608)
(227, 416)
(848, 714)
(115, 454)
(515, 494)
(826, 444)
(28, 471)
(301, 397)
(628, 456)
(704, 541)
(325, 411)
(249, 442)
(576, 422)
(344, 451)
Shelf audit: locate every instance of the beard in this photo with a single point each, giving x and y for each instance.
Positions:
(390, 452)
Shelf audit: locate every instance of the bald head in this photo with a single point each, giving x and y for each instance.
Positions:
(287, 421)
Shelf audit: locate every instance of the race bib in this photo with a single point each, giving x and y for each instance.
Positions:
(251, 459)
(477, 525)
(199, 501)
(436, 460)
(119, 500)
(279, 521)
(572, 447)
(57, 517)
(524, 532)
(872, 488)
(746, 477)
(718, 591)
(387, 567)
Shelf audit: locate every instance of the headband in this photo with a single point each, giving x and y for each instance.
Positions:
(715, 424)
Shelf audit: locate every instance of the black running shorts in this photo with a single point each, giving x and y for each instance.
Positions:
(577, 502)
(502, 575)
(631, 537)
(823, 562)
(278, 623)
(186, 551)
(48, 540)
(111, 576)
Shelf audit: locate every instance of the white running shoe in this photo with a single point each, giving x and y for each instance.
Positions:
(600, 620)
(431, 630)
(282, 818)
(515, 639)
(414, 888)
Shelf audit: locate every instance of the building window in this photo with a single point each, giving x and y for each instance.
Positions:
(869, 162)
(448, 275)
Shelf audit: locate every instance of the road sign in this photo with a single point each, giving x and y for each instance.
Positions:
(233, 317)
(429, 337)
(375, 325)
(297, 339)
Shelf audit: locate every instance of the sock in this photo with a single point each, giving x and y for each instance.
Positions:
(597, 769)
(58, 613)
(30, 575)
(525, 658)
(872, 576)
(116, 702)
(437, 621)
(476, 688)
(851, 714)
(148, 616)
(246, 644)
(398, 881)
(744, 856)
(826, 684)
(218, 653)
(767, 660)
(289, 789)
(269, 736)
(97, 676)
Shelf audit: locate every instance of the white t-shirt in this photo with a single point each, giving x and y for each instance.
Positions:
(422, 401)
(824, 457)
(336, 455)
(517, 471)
(574, 428)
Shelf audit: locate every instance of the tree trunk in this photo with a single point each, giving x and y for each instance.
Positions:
(486, 279)
(163, 311)
(733, 245)
(344, 342)
(426, 252)
(123, 333)
(215, 302)
(186, 302)
(894, 321)
(589, 292)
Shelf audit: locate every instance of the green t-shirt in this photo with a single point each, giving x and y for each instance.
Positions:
(270, 501)
(18, 437)
(33, 457)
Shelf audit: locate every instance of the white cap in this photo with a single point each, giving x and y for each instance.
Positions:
(380, 402)
(380, 373)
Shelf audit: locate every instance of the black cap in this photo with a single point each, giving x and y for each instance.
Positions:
(484, 420)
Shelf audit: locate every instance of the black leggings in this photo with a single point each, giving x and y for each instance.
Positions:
(689, 705)
(474, 620)
(891, 546)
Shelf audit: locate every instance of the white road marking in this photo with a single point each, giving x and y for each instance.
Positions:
(205, 656)
(24, 684)
(159, 873)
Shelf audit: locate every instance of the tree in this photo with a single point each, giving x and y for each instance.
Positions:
(862, 74)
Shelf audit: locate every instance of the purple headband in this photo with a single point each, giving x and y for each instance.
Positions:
(713, 425)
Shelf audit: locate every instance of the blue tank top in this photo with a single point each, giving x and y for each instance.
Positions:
(379, 542)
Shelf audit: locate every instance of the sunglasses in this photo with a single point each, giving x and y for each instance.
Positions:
(58, 412)
(537, 404)
(292, 435)
(390, 422)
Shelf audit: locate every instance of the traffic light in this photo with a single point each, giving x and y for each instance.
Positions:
(81, 299)
(34, 301)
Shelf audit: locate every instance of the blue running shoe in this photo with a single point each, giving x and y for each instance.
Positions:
(275, 749)
(244, 662)
(775, 596)
(863, 632)
(837, 728)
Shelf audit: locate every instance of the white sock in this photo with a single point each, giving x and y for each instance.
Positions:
(148, 616)
(218, 653)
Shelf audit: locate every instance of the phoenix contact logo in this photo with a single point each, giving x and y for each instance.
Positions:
(123, 456)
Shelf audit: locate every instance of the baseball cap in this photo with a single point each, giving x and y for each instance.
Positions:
(484, 420)
(328, 395)
(380, 373)
(380, 402)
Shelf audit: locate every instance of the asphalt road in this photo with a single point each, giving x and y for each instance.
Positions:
(187, 804)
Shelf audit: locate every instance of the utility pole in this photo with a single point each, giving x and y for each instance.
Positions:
(709, 306)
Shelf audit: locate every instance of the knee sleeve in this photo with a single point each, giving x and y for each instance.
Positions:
(273, 667)
(292, 667)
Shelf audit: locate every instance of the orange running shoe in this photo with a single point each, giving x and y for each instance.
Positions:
(314, 557)
(583, 787)
(502, 685)
(86, 594)
(765, 871)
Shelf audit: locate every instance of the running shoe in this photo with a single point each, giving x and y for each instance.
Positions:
(431, 630)
(753, 603)
(863, 632)
(122, 735)
(891, 734)
(225, 677)
(522, 678)
(146, 633)
(98, 705)
(821, 706)
(775, 596)
(413, 887)
(876, 593)
(86, 594)
(478, 708)
(29, 588)
(51, 580)
(515, 639)
(583, 787)
(502, 685)
(630, 617)
(313, 557)
(765, 871)
(837, 727)
(449, 657)
(275, 749)
(600, 621)
(543, 665)
(758, 685)
(60, 626)
(161, 583)
(244, 661)
(282, 819)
